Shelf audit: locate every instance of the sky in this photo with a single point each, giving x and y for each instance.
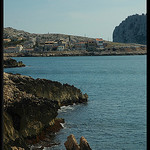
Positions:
(90, 18)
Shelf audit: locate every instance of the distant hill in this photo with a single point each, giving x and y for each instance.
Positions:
(132, 30)
(13, 33)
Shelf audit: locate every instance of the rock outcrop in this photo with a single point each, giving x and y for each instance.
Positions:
(64, 94)
(132, 30)
(84, 145)
(71, 143)
(10, 63)
(30, 107)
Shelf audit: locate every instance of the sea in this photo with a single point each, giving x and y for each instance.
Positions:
(115, 116)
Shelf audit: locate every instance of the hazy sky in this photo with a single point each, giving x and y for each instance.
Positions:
(91, 18)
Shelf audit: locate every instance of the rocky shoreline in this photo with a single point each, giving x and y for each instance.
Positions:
(31, 105)
(10, 63)
(30, 108)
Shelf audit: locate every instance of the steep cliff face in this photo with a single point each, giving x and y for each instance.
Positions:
(30, 106)
(132, 30)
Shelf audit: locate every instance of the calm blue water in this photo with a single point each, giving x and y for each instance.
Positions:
(115, 116)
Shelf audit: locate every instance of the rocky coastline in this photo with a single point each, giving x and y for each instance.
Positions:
(10, 63)
(31, 105)
(30, 108)
(71, 143)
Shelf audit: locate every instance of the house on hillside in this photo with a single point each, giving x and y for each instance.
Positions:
(48, 45)
(60, 48)
(15, 49)
(61, 43)
(11, 50)
(99, 42)
(91, 45)
(80, 46)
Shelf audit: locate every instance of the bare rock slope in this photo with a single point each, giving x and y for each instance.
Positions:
(132, 30)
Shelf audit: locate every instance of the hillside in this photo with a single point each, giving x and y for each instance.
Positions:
(37, 43)
(13, 33)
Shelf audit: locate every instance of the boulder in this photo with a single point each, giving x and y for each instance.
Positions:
(71, 143)
(10, 63)
(84, 144)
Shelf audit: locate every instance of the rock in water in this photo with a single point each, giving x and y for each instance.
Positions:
(84, 144)
(10, 63)
(71, 143)
(132, 30)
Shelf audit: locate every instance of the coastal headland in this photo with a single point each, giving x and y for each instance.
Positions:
(30, 108)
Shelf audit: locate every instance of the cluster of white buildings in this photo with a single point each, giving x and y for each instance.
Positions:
(97, 43)
(57, 45)
(17, 49)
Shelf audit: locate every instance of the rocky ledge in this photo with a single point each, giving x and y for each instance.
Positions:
(30, 107)
(9, 63)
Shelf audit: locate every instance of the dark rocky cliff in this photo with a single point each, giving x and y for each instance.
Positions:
(132, 30)
(31, 105)
(9, 63)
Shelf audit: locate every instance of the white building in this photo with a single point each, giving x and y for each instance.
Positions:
(14, 49)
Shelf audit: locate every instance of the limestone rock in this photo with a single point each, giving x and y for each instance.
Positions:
(71, 143)
(132, 30)
(9, 63)
(64, 94)
(17, 148)
(31, 105)
(84, 144)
